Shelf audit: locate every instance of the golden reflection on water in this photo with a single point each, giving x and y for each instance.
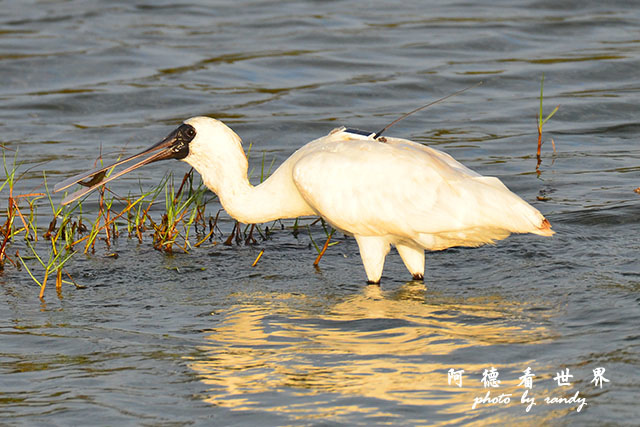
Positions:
(375, 344)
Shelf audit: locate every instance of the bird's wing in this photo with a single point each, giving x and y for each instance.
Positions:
(404, 189)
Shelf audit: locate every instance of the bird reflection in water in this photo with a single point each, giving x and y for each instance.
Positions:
(310, 357)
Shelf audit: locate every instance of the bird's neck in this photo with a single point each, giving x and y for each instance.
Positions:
(275, 198)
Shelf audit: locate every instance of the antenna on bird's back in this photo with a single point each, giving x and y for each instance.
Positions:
(437, 101)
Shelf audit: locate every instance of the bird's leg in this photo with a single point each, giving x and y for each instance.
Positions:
(373, 250)
(413, 258)
(250, 239)
(236, 227)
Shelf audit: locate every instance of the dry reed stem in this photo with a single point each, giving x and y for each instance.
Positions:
(212, 228)
(44, 285)
(324, 249)
(184, 180)
(104, 214)
(170, 234)
(204, 238)
(30, 195)
(7, 231)
(539, 158)
(71, 279)
(59, 280)
(24, 222)
(3, 247)
(258, 258)
(124, 211)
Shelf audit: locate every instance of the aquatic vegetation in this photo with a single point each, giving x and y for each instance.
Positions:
(328, 231)
(183, 223)
(13, 211)
(184, 209)
(47, 257)
(541, 123)
(57, 258)
(258, 258)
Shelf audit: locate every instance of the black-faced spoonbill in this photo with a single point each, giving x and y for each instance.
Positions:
(383, 191)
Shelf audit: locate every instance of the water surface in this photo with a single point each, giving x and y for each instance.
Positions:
(203, 338)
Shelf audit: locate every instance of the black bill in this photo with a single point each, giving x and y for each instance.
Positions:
(174, 146)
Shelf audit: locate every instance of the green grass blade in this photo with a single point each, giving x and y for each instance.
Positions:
(29, 271)
(550, 115)
(313, 241)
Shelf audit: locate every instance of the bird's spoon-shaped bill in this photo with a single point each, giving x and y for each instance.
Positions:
(168, 148)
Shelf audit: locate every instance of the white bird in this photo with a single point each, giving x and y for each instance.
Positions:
(383, 191)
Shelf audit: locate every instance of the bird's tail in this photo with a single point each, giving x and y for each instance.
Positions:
(544, 229)
(514, 214)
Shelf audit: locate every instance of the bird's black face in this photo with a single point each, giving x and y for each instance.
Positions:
(185, 134)
(174, 146)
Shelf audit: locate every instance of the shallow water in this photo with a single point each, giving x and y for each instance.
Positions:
(203, 338)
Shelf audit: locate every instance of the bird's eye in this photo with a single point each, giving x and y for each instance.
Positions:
(190, 133)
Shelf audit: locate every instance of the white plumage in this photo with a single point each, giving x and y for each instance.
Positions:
(384, 191)
(395, 192)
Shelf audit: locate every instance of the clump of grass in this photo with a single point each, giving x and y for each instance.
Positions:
(47, 258)
(184, 210)
(8, 226)
(56, 260)
(9, 231)
(183, 224)
(57, 257)
(60, 248)
(541, 123)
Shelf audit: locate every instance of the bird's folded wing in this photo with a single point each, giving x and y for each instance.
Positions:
(406, 190)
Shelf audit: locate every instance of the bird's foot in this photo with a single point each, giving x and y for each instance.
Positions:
(373, 282)
(418, 276)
